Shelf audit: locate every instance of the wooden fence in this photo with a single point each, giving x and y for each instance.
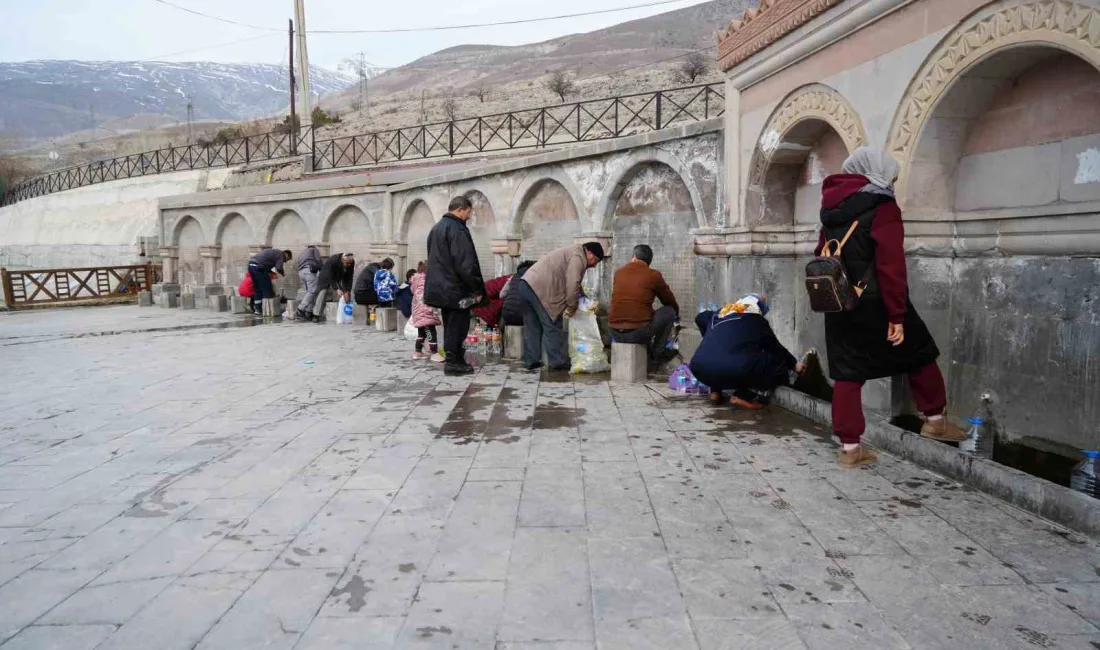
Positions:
(34, 287)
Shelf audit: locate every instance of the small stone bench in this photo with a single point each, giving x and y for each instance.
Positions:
(145, 298)
(240, 305)
(218, 303)
(513, 341)
(385, 319)
(629, 363)
(271, 307)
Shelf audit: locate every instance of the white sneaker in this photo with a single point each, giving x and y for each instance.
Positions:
(419, 356)
(438, 358)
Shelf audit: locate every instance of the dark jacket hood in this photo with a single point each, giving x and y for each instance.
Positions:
(842, 201)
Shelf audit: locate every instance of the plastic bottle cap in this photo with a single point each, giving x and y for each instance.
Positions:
(1090, 453)
(975, 420)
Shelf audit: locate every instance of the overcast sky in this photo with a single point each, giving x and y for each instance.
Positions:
(145, 29)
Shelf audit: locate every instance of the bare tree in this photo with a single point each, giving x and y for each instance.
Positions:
(560, 84)
(693, 67)
(481, 92)
(450, 109)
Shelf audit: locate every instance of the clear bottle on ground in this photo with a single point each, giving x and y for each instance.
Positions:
(982, 434)
(1085, 477)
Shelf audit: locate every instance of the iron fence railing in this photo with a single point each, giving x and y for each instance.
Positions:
(595, 119)
(236, 151)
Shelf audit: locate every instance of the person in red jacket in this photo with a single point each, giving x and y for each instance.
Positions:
(884, 336)
(490, 313)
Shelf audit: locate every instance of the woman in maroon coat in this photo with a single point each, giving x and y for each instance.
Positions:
(884, 336)
(490, 311)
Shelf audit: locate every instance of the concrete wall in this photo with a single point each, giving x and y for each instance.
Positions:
(94, 225)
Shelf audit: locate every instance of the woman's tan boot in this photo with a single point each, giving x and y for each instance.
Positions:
(858, 457)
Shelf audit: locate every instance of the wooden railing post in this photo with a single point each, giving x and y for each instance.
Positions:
(9, 299)
(148, 276)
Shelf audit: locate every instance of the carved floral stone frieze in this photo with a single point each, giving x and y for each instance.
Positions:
(759, 27)
(1071, 25)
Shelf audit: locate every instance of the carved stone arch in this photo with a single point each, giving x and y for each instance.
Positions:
(811, 115)
(1070, 26)
(273, 222)
(228, 218)
(526, 190)
(633, 164)
(185, 221)
(338, 209)
(408, 207)
(811, 102)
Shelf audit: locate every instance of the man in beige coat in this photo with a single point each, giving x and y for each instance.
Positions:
(548, 290)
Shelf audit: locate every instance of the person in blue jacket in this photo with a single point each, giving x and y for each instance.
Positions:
(740, 353)
(385, 284)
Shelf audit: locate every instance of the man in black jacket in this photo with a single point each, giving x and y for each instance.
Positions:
(336, 273)
(454, 282)
(259, 268)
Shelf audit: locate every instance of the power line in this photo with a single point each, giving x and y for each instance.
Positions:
(433, 28)
(217, 18)
(437, 28)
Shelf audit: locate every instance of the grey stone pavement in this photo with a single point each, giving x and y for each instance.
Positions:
(308, 487)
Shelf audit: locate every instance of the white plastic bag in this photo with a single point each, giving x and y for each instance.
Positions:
(586, 352)
(410, 331)
(342, 316)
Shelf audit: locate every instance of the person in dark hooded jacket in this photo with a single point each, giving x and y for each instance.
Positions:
(364, 286)
(455, 283)
(884, 336)
(740, 353)
(336, 273)
(511, 311)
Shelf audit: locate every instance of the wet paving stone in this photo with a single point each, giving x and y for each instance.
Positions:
(294, 486)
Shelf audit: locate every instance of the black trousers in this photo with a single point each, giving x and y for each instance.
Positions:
(654, 335)
(261, 286)
(456, 325)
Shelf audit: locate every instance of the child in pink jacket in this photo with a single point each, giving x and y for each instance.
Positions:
(424, 318)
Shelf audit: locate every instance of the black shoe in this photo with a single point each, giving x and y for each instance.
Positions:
(532, 366)
(559, 368)
(457, 369)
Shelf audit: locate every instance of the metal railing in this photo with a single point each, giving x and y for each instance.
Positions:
(236, 151)
(595, 119)
(27, 288)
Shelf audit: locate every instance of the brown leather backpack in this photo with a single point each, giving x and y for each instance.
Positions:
(827, 282)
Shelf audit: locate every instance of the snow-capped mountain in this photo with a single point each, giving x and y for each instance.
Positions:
(51, 98)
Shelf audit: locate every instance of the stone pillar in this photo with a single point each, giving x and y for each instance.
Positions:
(210, 255)
(506, 252)
(170, 256)
(169, 284)
(735, 205)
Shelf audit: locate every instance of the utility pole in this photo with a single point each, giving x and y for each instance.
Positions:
(423, 109)
(190, 119)
(290, 69)
(303, 63)
(362, 71)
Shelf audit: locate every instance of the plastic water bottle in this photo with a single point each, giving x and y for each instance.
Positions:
(981, 435)
(702, 307)
(714, 306)
(471, 349)
(1085, 477)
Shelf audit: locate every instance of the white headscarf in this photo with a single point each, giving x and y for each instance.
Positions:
(879, 167)
(753, 303)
